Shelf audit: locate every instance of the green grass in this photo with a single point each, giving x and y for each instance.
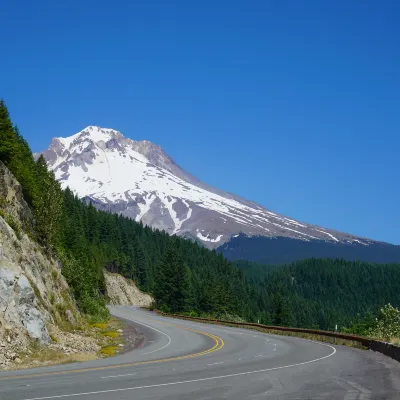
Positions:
(37, 293)
(52, 298)
(55, 274)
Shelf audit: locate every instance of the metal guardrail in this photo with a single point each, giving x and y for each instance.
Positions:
(387, 349)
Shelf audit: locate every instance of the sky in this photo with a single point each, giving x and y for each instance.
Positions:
(292, 104)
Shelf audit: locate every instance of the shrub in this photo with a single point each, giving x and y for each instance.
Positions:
(99, 325)
(13, 223)
(387, 323)
(52, 298)
(54, 274)
(111, 334)
(109, 351)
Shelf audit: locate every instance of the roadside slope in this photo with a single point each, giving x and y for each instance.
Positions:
(124, 292)
(37, 309)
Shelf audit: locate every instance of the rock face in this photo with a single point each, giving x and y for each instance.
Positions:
(139, 180)
(18, 304)
(122, 291)
(12, 202)
(34, 297)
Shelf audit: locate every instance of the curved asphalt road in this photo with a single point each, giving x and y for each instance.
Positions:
(187, 360)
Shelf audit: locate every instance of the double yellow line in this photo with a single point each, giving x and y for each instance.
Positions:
(219, 344)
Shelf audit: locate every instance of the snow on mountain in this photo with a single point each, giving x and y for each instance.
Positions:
(138, 179)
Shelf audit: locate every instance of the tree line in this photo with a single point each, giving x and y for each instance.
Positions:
(323, 293)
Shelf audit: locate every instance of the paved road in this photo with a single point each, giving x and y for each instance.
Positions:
(187, 360)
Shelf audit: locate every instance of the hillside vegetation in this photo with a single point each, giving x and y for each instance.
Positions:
(182, 276)
(39, 319)
(283, 250)
(322, 293)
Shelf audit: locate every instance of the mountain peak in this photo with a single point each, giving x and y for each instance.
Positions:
(94, 133)
(138, 179)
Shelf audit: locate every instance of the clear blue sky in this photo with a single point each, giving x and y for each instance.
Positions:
(293, 104)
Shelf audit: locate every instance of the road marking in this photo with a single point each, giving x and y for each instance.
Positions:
(116, 376)
(190, 381)
(219, 344)
(363, 393)
(221, 362)
(154, 329)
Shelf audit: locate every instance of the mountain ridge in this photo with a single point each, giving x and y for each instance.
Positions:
(138, 179)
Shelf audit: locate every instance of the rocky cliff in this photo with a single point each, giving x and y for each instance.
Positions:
(35, 300)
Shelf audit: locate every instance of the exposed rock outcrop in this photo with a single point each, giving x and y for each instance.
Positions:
(122, 291)
(18, 304)
(34, 296)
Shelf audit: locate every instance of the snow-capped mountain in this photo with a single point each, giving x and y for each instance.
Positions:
(138, 179)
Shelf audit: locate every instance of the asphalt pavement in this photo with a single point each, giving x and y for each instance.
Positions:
(188, 360)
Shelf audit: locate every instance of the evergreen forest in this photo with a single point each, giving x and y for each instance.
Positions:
(183, 276)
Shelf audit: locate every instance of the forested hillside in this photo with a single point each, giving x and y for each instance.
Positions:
(321, 293)
(283, 250)
(182, 275)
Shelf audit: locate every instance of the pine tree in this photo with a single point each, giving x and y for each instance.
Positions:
(171, 288)
(23, 167)
(48, 204)
(282, 312)
(8, 139)
(140, 263)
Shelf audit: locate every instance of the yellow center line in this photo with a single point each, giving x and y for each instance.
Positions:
(219, 344)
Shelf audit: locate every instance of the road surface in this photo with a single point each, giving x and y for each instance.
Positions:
(188, 360)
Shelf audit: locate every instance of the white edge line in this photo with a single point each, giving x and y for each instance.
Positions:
(154, 329)
(190, 381)
(116, 376)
